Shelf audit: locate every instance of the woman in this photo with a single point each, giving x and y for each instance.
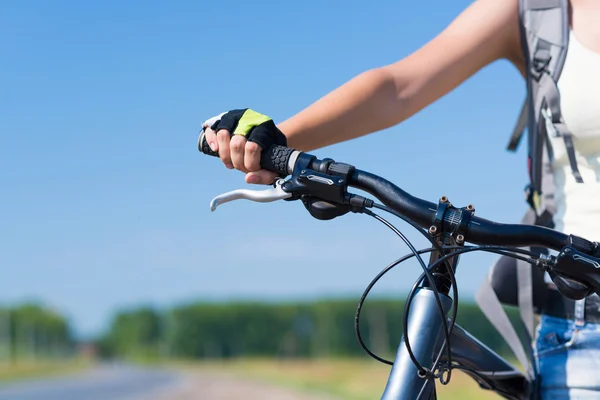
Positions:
(568, 354)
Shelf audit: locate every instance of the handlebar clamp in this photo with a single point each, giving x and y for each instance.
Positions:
(452, 220)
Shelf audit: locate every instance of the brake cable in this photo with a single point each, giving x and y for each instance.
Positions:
(447, 365)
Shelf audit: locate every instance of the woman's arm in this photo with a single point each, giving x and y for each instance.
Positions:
(486, 31)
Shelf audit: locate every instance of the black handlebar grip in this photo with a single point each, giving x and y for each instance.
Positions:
(275, 158)
(204, 147)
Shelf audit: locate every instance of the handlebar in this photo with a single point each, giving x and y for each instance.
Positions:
(478, 230)
(284, 161)
(322, 186)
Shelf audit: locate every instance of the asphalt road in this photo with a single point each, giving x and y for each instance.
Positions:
(119, 382)
(114, 382)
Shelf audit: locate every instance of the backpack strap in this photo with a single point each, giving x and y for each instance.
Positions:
(519, 128)
(545, 37)
(492, 307)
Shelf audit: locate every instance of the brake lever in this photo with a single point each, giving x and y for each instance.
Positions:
(262, 196)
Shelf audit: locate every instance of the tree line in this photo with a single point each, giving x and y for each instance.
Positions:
(204, 330)
(30, 332)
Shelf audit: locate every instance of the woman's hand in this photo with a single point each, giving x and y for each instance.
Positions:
(239, 136)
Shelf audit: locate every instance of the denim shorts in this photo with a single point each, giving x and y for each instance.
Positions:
(568, 359)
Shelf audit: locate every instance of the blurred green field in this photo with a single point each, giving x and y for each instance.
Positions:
(35, 369)
(351, 379)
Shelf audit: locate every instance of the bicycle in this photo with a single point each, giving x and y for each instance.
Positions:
(425, 355)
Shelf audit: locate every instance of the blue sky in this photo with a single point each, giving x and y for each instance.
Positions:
(105, 197)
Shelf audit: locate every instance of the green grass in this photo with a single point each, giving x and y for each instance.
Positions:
(348, 379)
(36, 369)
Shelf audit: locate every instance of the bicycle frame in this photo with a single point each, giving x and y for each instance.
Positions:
(404, 382)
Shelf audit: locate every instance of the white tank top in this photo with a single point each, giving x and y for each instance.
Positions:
(578, 204)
